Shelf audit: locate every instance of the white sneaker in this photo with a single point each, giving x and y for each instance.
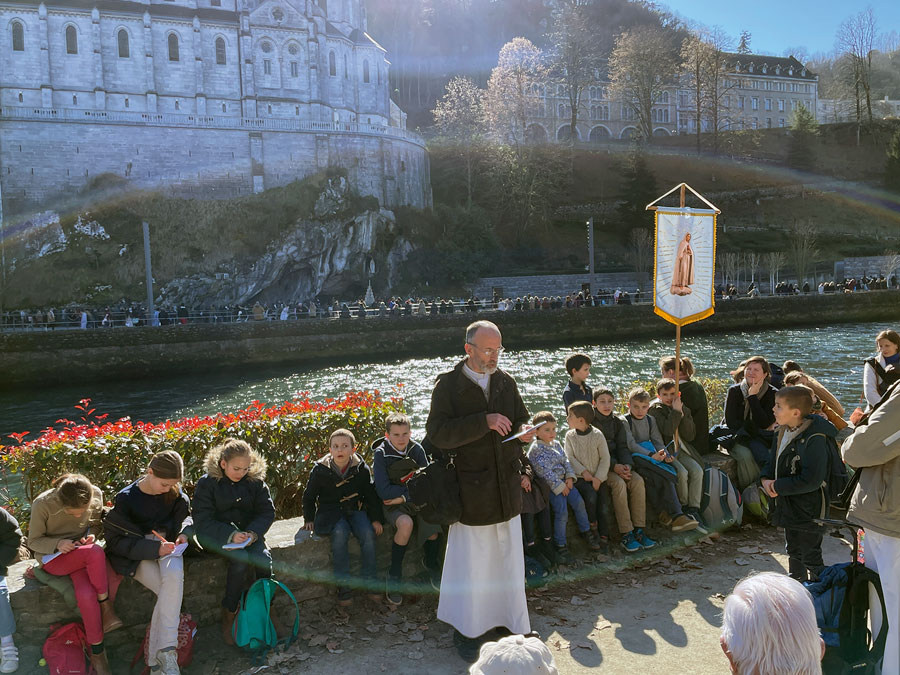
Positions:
(167, 659)
(9, 659)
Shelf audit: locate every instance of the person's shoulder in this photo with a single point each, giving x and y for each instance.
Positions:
(43, 499)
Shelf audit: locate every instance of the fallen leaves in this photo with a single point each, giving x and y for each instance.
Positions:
(577, 601)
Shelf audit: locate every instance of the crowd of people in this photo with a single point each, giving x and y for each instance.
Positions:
(617, 473)
(128, 314)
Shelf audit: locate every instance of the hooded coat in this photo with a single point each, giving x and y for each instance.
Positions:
(329, 494)
(220, 504)
(800, 472)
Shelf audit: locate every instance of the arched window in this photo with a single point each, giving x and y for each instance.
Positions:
(71, 40)
(332, 64)
(346, 69)
(124, 51)
(18, 36)
(366, 72)
(220, 51)
(173, 47)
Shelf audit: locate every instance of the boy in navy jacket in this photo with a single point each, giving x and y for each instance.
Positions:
(795, 476)
(397, 456)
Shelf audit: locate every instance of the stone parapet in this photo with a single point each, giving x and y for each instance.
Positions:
(41, 358)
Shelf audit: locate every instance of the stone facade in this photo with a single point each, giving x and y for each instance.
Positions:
(208, 96)
(757, 92)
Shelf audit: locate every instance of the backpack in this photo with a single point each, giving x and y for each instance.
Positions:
(720, 505)
(756, 502)
(841, 600)
(837, 479)
(887, 378)
(253, 628)
(65, 649)
(187, 629)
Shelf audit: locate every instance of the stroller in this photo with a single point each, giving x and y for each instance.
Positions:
(850, 612)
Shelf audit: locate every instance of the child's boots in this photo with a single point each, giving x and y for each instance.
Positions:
(228, 626)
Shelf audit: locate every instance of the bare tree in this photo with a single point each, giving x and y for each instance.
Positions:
(802, 246)
(640, 252)
(856, 39)
(775, 261)
(519, 74)
(577, 54)
(643, 64)
(753, 261)
(459, 117)
(889, 264)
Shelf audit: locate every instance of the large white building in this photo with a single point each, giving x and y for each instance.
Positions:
(218, 95)
(757, 92)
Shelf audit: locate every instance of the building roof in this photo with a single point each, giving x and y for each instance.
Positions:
(761, 64)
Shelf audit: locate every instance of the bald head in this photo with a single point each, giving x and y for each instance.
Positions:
(480, 327)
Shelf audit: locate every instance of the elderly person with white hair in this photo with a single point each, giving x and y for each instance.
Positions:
(769, 628)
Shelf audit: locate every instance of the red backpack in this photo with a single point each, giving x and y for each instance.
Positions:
(64, 650)
(187, 629)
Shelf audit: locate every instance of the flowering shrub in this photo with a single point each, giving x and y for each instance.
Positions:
(291, 436)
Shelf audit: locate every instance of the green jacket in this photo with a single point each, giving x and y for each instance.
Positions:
(875, 448)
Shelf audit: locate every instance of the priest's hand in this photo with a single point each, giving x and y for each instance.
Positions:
(499, 423)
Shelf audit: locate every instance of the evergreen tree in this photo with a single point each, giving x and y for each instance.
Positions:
(744, 44)
(892, 166)
(638, 190)
(801, 149)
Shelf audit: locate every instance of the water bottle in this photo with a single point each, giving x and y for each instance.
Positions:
(861, 554)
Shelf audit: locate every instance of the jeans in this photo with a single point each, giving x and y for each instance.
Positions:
(165, 577)
(543, 520)
(7, 620)
(804, 549)
(86, 566)
(596, 503)
(559, 504)
(256, 556)
(358, 523)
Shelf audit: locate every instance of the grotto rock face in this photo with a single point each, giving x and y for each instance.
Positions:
(328, 254)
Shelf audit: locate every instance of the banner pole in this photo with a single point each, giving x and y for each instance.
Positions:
(678, 350)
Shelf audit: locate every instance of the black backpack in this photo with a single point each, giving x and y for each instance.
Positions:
(887, 377)
(838, 478)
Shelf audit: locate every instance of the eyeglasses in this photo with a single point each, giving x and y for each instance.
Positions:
(488, 352)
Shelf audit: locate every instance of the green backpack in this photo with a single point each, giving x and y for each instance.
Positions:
(253, 628)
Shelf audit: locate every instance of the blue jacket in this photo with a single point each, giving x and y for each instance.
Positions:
(551, 464)
(385, 454)
(800, 472)
(573, 393)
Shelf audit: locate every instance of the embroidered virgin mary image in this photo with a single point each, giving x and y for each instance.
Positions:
(683, 274)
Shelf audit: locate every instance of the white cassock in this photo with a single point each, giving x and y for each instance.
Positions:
(483, 583)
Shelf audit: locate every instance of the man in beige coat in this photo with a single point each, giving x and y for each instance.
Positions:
(875, 450)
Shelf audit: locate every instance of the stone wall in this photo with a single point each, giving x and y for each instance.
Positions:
(43, 160)
(27, 358)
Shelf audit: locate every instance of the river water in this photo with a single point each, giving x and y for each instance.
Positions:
(833, 354)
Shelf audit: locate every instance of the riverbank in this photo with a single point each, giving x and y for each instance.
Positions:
(42, 359)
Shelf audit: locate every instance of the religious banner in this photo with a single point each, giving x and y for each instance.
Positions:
(684, 268)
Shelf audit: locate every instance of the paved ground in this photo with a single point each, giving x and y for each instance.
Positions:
(657, 613)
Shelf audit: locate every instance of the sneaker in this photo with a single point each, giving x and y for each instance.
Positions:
(629, 543)
(167, 659)
(9, 659)
(592, 540)
(345, 597)
(604, 544)
(682, 524)
(642, 539)
(665, 519)
(565, 558)
(694, 514)
(392, 592)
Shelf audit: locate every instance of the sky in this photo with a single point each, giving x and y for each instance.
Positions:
(778, 25)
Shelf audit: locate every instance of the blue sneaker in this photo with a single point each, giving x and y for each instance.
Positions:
(629, 543)
(642, 539)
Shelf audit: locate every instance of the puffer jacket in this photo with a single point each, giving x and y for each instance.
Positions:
(220, 504)
(490, 471)
(875, 449)
(330, 494)
(800, 472)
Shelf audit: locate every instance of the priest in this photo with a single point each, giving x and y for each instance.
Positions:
(475, 408)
